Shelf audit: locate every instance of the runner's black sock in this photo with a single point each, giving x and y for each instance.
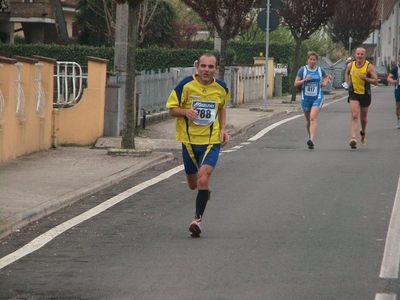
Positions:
(201, 202)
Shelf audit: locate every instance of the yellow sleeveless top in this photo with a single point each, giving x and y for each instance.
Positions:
(360, 86)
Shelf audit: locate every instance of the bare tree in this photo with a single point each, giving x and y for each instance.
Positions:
(146, 14)
(110, 22)
(96, 20)
(304, 17)
(227, 17)
(353, 19)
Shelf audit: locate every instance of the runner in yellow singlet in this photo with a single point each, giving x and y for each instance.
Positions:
(198, 102)
(360, 74)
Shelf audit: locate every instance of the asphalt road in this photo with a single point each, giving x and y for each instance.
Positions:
(284, 222)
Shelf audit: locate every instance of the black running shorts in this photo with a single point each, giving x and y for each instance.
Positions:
(365, 100)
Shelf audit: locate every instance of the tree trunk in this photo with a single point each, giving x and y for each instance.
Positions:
(295, 68)
(129, 130)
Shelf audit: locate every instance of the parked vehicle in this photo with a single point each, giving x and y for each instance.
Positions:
(382, 75)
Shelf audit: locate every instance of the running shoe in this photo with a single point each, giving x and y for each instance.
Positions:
(398, 123)
(353, 144)
(363, 138)
(310, 144)
(194, 228)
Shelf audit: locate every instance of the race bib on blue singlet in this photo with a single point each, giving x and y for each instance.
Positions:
(206, 111)
(311, 89)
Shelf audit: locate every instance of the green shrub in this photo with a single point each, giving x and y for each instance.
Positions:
(161, 59)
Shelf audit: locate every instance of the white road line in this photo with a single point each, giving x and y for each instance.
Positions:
(269, 128)
(227, 151)
(385, 297)
(43, 239)
(391, 256)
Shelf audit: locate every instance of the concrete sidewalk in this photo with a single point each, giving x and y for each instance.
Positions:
(38, 184)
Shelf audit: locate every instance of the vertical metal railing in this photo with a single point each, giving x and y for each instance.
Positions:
(69, 80)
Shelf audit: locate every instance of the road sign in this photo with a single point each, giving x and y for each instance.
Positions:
(273, 20)
(275, 4)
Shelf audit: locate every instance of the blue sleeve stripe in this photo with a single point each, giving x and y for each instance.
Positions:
(223, 84)
(179, 88)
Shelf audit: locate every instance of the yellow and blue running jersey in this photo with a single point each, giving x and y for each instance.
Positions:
(207, 99)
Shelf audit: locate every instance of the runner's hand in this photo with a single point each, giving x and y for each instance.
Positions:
(192, 113)
(224, 138)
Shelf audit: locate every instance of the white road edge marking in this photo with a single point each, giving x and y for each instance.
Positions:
(391, 256)
(269, 128)
(46, 237)
(385, 297)
(227, 151)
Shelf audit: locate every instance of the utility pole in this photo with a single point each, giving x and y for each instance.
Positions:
(266, 54)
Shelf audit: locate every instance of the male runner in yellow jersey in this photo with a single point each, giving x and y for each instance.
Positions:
(198, 102)
(360, 74)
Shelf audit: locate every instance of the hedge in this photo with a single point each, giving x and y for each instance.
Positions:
(160, 59)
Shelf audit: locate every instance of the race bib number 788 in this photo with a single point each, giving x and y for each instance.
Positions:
(206, 112)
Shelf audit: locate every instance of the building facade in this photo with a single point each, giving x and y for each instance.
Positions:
(389, 44)
(39, 21)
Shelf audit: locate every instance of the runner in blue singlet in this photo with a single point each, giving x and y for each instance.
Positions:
(312, 78)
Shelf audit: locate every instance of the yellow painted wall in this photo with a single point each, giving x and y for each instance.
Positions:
(27, 131)
(33, 131)
(83, 123)
(8, 123)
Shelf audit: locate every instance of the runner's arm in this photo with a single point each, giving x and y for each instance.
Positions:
(190, 113)
(373, 78)
(347, 74)
(326, 80)
(392, 77)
